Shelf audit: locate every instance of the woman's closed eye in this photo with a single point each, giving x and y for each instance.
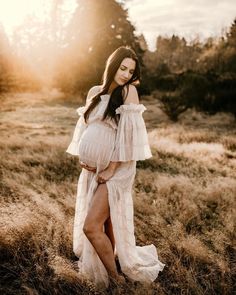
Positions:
(123, 69)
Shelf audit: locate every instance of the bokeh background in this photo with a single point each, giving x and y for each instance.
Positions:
(51, 53)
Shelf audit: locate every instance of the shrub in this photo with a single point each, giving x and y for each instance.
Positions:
(193, 89)
(173, 104)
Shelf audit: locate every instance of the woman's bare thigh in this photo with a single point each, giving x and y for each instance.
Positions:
(99, 210)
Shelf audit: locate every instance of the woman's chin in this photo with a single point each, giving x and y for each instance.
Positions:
(121, 83)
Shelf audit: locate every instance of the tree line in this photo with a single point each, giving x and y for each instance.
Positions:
(200, 74)
(178, 73)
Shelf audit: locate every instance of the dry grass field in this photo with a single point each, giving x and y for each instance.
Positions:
(184, 199)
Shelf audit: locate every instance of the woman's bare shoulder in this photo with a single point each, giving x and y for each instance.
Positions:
(95, 89)
(92, 92)
(131, 95)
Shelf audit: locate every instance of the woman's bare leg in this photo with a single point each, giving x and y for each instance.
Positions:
(98, 213)
(109, 232)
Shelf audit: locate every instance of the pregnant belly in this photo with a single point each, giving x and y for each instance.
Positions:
(96, 145)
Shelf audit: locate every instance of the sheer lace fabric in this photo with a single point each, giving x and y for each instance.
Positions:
(97, 143)
(131, 140)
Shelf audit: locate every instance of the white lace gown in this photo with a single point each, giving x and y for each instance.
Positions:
(97, 143)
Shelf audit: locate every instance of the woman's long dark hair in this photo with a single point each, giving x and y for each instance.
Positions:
(116, 99)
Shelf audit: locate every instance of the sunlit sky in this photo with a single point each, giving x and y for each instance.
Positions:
(13, 12)
(151, 17)
(181, 17)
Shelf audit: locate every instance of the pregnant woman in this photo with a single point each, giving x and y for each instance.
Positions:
(110, 136)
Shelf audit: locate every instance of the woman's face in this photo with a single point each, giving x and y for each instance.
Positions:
(125, 71)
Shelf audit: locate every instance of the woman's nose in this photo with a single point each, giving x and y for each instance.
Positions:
(127, 74)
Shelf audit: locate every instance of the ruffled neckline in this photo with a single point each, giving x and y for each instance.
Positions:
(130, 108)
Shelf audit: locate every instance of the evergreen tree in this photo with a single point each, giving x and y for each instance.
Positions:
(96, 29)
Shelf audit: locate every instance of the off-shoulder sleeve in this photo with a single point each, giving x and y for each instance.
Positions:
(81, 124)
(79, 129)
(131, 139)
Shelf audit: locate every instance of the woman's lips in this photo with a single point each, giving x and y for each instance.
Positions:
(124, 81)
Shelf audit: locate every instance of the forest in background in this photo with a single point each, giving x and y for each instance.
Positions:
(70, 56)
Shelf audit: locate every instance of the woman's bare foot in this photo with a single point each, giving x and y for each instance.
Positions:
(117, 279)
(120, 279)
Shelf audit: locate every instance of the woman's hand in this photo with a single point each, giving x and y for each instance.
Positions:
(85, 166)
(105, 175)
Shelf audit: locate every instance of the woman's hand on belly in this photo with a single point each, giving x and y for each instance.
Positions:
(85, 166)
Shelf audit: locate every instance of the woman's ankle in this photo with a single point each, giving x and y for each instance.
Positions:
(113, 274)
(118, 279)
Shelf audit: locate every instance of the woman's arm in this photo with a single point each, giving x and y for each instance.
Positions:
(113, 166)
(106, 174)
(132, 96)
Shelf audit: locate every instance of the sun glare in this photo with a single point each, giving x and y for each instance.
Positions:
(31, 31)
(14, 12)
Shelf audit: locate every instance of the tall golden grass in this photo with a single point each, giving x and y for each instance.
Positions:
(184, 199)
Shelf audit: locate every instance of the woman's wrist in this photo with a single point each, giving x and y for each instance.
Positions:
(112, 166)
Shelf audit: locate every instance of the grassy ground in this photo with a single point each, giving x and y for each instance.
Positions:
(184, 199)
